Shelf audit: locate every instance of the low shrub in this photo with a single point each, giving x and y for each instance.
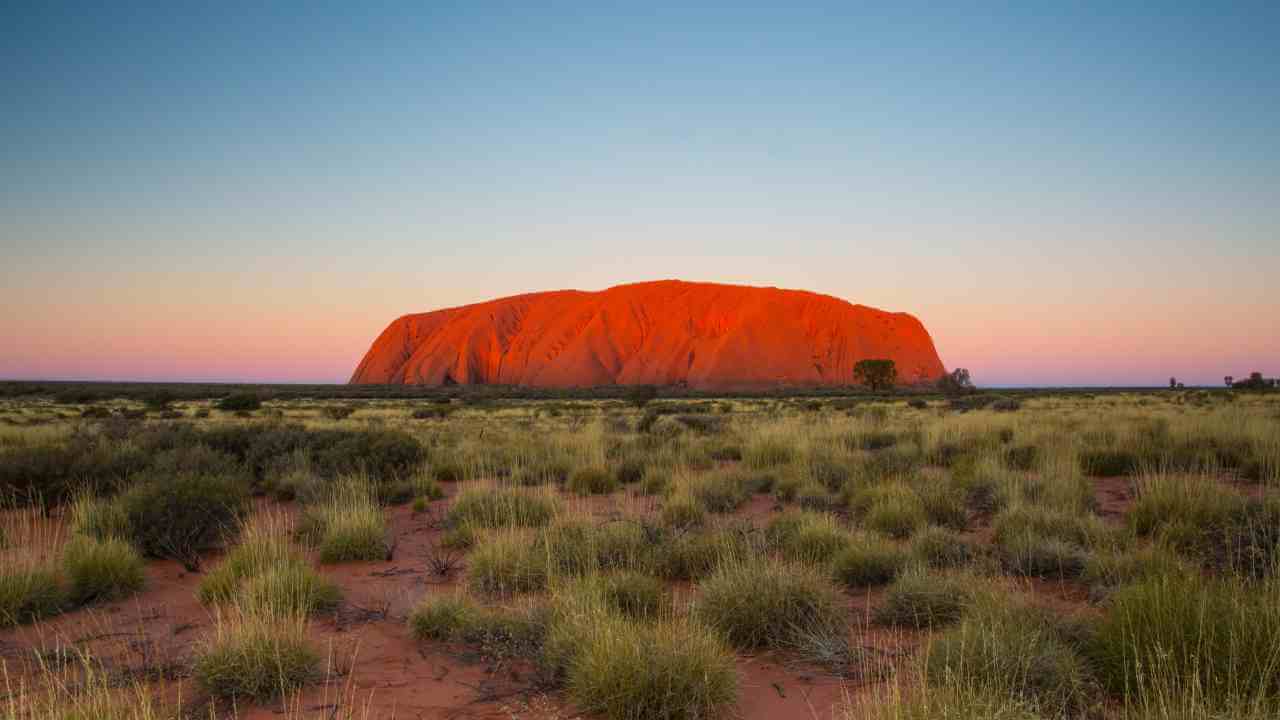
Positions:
(725, 452)
(448, 471)
(787, 488)
(656, 481)
(1106, 462)
(630, 470)
(1021, 457)
(338, 412)
(180, 517)
(875, 440)
(240, 401)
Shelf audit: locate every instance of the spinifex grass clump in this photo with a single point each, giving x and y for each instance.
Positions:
(894, 510)
(762, 603)
(348, 524)
(501, 633)
(1041, 542)
(266, 572)
(254, 655)
(806, 536)
(941, 548)
(868, 561)
(99, 518)
(442, 617)
(671, 670)
(1197, 516)
(628, 669)
(1185, 635)
(578, 546)
(1006, 649)
(502, 507)
(682, 511)
(921, 599)
(763, 453)
(1115, 568)
(636, 595)
(508, 562)
(101, 569)
(29, 593)
(718, 492)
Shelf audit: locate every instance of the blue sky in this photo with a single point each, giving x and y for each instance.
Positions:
(1082, 193)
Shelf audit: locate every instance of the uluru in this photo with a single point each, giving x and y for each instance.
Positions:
(668, 332)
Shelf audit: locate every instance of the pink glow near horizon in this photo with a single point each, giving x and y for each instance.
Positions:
(240, 342)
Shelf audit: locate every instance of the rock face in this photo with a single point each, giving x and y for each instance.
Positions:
(668, 332)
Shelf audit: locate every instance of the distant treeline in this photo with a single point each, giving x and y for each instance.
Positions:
(76, 392)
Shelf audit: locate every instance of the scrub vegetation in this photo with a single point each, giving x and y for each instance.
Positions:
(1039, 555)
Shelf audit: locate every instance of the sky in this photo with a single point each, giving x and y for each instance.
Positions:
(1064, 193)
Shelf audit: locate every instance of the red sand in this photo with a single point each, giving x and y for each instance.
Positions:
(663, 333)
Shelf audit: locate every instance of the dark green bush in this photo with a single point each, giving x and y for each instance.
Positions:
(630, 470)
(180, 517)
(1109, 463)
(243, 401)
(591, 481)
(1021, 457)
(338, 412)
